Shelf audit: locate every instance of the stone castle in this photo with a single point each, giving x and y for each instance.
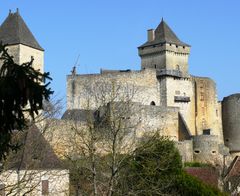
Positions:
(179, 105)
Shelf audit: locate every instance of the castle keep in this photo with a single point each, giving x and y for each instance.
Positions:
(181, 106)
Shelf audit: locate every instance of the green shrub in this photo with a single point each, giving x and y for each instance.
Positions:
(196, 164)
(189, 185)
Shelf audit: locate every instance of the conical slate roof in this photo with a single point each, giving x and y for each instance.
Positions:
(15, 31)
(164, 34)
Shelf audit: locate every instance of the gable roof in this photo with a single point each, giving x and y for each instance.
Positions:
(15, 31)
(234, 168)
(164, 34)
(35, 152)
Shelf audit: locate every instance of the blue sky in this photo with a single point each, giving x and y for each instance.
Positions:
(106, 34)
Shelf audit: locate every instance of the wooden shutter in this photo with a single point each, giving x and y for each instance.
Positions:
(45, 187)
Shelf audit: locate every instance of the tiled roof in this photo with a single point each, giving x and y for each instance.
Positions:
(164, 34)
(234, 168)
(15, 31)
(206, 174)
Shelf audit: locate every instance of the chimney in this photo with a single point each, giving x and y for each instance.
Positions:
(151, 35)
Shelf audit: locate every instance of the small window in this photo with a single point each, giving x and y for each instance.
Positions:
(214, 152)
(206, 131)
(227, 140)
(176, 46)
(45, 187)
(197, 151)
(2, 190)
(152, 103)
(177, 92)
(183, 47)
(177, 67)
(203, 110)
(155, 66)
(201, 96)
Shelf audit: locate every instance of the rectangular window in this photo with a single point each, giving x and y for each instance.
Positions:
(2, 190)
(45, 187)
(201, 96)
(206, 131)
(177, 92)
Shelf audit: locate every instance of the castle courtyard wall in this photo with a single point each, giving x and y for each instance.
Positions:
(139, 86)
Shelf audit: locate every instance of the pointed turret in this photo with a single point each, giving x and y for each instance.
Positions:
(15, 31)
(165, 52)
(22, 45)
(163, 34)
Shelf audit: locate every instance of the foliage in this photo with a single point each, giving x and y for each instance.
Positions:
(156, 169)
(22, 91)
(188, 185)
(153, 168)
(196, 164)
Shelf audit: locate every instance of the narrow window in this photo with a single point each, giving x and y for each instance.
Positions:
(201, 96)
(177, 67)
(2, 189)
(152, 103)
(155, 66)
(45, 187)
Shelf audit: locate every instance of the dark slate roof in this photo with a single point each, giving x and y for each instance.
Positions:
(35, 153)
(15, 31)
(164, 34)
(78, 115)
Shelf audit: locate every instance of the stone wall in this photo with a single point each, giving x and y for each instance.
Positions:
(231, 122)
(208, 115)
(149, 119)
(181, 88)
(165, 56)
(186, 150)
(206, 149)
(90, 91)
(23, 54)
(30, 182)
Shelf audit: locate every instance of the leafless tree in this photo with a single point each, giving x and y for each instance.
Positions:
(104, 137)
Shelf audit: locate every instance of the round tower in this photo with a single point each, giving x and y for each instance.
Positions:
(231, 122)
(206, 149)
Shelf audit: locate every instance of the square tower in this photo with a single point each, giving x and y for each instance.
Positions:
(22, 45)
(164, 52)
